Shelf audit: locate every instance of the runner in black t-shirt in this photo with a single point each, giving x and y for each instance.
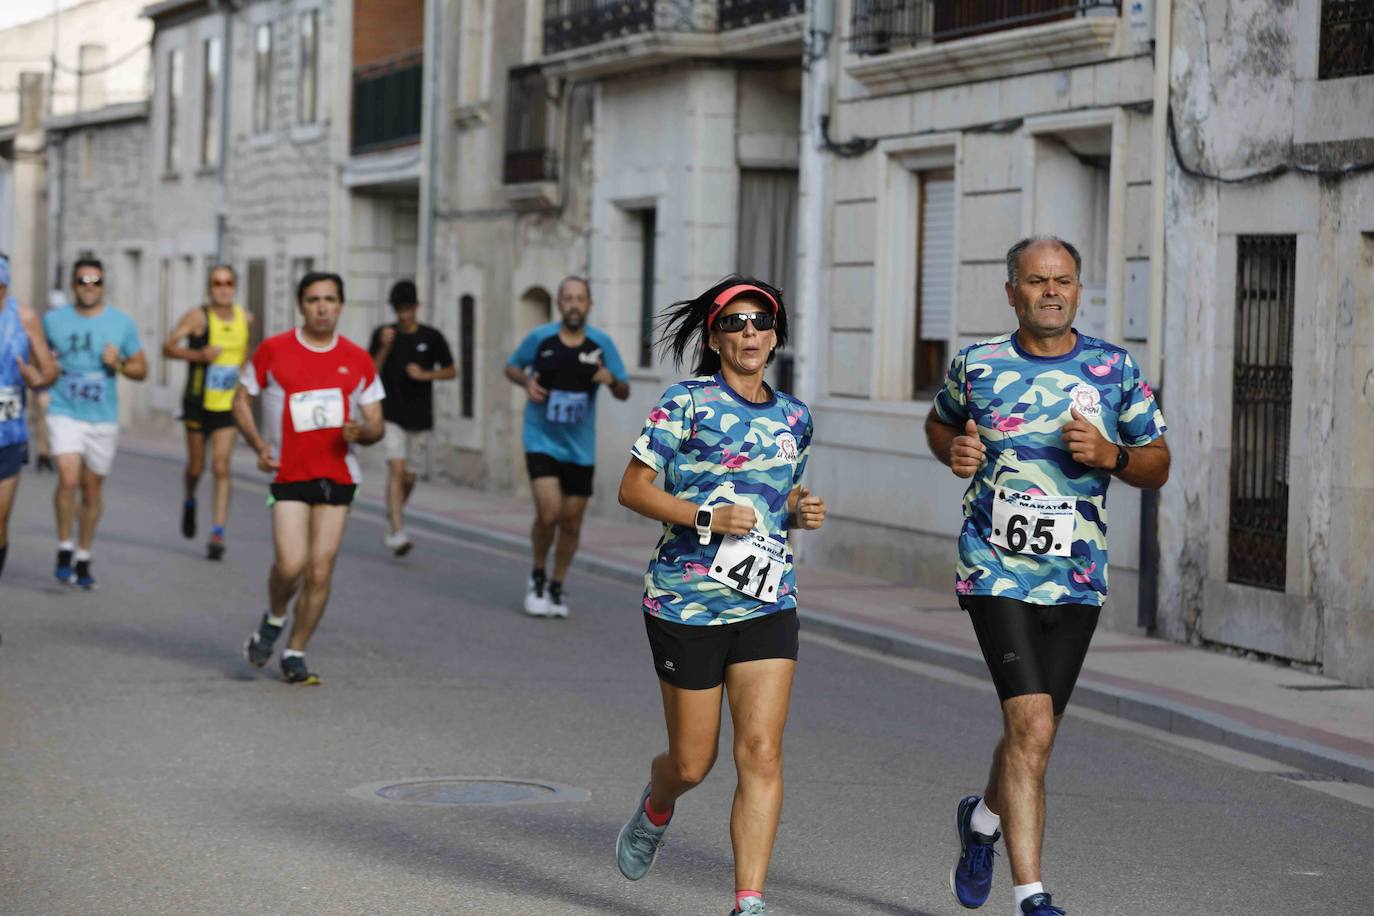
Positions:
(410, 356)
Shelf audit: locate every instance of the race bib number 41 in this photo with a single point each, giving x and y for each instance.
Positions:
(1040, 524)
(752, 565)
(11, 404)
(322, 408)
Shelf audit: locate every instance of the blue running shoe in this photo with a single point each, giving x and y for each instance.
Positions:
(63, 572)
(639, 842)
(970, 880)
(1040, 905)
(750, 906)
(82, 578)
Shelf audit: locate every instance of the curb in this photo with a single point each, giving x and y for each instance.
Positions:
(1156, 712)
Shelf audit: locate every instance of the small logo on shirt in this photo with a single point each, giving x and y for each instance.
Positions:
(545, 354)
(420, 348)
(1009, 657)
(1087, 399)
(787, 445)
(343, 370)
(590, 357)
(670, 666)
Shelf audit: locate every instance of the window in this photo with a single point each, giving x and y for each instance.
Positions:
(262, 78)
(934, 281)
(307, 85)
(172, 160)
(767, 241)
(209, 104)
(467, 353)
(1261, 407)
(1347, 39)
(648, 231)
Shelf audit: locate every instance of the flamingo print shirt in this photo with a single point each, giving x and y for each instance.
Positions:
(1020, 403)
(714, 447)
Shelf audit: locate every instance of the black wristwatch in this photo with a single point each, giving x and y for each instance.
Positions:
(1123, 458)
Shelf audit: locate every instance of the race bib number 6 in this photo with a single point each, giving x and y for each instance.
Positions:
(1040, 524)
(322, 408)
(11, 404)
(752, 565)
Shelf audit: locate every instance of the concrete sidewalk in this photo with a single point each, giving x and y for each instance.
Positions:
(1318, 726)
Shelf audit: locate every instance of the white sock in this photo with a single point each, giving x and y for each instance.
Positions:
(276, 621)
(292, 653)
(983, 820)
(1024, 892)
(82, 556)
(66, 545)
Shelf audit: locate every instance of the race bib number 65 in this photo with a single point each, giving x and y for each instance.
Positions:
(752, 565)
(1040, 524)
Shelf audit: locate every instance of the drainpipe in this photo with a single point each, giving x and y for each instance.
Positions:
(1147, 595)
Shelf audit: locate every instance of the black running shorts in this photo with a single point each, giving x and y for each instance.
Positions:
(13, 458)
(1032, 648)
(573, 479)
(200, 420)
(695, 657)
(317, 492)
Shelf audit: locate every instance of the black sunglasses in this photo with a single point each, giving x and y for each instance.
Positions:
(733, 324)
(89, 280)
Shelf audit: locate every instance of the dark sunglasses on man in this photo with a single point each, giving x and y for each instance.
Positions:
(733, 324)
(90, 280)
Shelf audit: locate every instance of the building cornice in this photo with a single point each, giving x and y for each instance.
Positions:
(110, 114)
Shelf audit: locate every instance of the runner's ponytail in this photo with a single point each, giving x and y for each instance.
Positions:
(683, 327)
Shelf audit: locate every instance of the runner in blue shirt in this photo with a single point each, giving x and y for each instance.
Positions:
(25, 362)
(561, 366)
(720, 595)
(95, 343)
(1039, 421)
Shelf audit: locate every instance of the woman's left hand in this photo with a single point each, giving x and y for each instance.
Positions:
(810, 510)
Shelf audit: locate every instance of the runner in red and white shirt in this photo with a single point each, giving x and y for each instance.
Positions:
(321, 396)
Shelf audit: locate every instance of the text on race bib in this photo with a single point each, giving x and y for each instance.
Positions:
(1039, 524)
(322, 408)
(221, 378)
(11, 403)
(751, 565)
(84, 388)
(567, 406)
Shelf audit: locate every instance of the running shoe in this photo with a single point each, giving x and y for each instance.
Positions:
(293, 671)
(82, 578)
(749, 906)
(557, 602)
(398, 543)
(970, 880)
(1040, 905)
(188, 519)
(258, 649)
(639, 842)
(536, 604)
(63, 572)
(215, 548)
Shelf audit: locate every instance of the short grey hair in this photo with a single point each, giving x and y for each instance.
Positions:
(573, 278)
(1014, 256)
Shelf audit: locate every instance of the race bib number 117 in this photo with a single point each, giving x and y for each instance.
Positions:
(1040, 524)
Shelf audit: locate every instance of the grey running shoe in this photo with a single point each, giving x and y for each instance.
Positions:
(639, 842)
(293, 671)
(258, 649)
(749, 906)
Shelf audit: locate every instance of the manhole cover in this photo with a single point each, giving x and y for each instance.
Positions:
(467, 791)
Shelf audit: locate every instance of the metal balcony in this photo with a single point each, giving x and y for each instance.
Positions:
(1347, 39)
(879, 26)
(387, 102)
(738, 14)
(577, 23)
(530, 120)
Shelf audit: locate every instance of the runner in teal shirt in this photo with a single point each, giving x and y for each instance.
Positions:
(87, 389)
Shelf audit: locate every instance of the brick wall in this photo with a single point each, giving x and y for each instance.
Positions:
(385, 28)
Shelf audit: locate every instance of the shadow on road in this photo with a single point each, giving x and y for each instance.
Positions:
(173, 645)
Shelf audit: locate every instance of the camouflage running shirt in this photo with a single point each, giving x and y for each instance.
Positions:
(714, 447)
(1035, 520)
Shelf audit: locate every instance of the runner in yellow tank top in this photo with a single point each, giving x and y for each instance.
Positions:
(214, 340)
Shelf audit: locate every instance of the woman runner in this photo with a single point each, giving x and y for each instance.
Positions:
(720, 598)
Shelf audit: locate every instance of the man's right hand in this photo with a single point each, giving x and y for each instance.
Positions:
(387, 337)
(732, 519)
(267, 459)
(966, 452)
(537, 392)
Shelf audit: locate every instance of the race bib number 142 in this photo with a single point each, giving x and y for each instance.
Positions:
(1040, 524)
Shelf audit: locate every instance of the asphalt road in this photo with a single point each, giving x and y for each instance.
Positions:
(147, 769)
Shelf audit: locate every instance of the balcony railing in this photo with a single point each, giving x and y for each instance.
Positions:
(577, 23)
(736, 14)
(530, 120)
(1347, 39)
(386, 103)
(879, 26)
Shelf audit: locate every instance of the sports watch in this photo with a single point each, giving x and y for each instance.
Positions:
(704, 525)
(1123, 458)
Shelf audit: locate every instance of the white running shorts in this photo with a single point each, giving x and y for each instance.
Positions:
(96, 443)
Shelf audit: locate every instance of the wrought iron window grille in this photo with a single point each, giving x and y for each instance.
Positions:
(1347, 39)
(880, 26)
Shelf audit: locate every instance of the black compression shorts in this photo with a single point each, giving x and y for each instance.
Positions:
(1032, 648)
(573, 479)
